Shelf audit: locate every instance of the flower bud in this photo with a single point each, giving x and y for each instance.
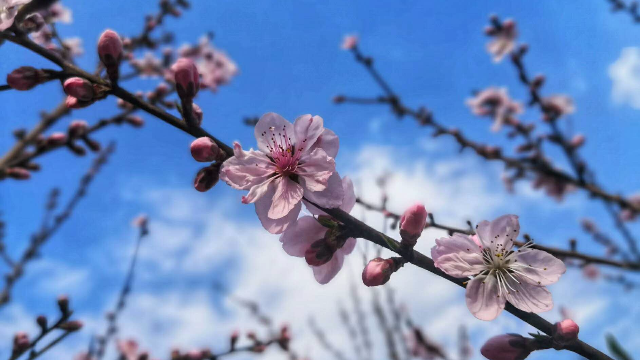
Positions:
(204, 149)
(233, 339)
(71, 325)
(25, 78)
(79, 88)
(412, 223)
(577, 141)
(378, 271)
(20, 342)
(63, 304)
(198, 115)
(206, 178)
(187, 78)
(319, 253)
(565, 331)
(33, 23)
(350, 42)
(135, 121)
(507, 347)
(110, 52)
(591, 272)
(78, 128)
(18, 173)
(42, 322)
(57, 139)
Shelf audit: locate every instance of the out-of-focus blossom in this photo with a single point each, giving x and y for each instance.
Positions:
(18, 173)
(26, 78)
(500, 274)
(128, 349)
(43, 37)
(503, 40)
(147, 66)
(507, 347)
(591, 272)
(57, 13)
(495, 103)
(301, 236)
(8, 11)
(214, 65)
(422, 347)
(552, 186)
(187, 78)
(32, 23)
(292, 161)
(349, 42)
(577, 141)
(73, 46)
(630, 215)
(565, 331)
(198, 115)
(83, 356)
(57, 139)
(556, 106)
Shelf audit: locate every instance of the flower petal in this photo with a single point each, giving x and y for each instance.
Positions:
(301, 234)
(316, 168)
(307, 130)
(327, 141)
(275, 226)
(539, 267)
(527, 297)
(500, 233)
(482, 298)
(328, 271)
(348, 246)
(273, 127)
(331, 197)
(246, 169)
(349, 198)
(287, 195)
(258, 191)
(458, 256)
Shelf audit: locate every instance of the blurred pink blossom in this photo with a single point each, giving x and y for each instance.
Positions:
(495, 103)
(8, 11)
(504, 40)
(349, 42)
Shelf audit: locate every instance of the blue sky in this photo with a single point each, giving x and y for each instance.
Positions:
(290, 62)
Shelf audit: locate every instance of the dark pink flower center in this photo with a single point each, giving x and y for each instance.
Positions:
(282, 151)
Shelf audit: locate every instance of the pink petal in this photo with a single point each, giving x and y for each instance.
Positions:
(275, 226)
(457, 244)
(331, 197)
(300, 235)
(531, 298)
(348, 246)
(307, 130)
(258, 191)
(460, 264)
(327, 141)
(246, 169)
(328, 271)
(541, 268)
(482, 298)
(272, 124)
(316, 168)
(349, 198)
(499, 233)
(287, 195)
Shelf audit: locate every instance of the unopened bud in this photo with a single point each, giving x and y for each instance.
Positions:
(57, 139)
(319, 253)
(71, 325)
(565, 331)
(187, 78)
(577, 141)
(507, 347)
(42, 322)
(18, 173)
(25, 78)
(204, 149)
(20, 342)
(63, 304)
(79, 88)
(78, 128)
(135, 121)
(198, 115)
(110, 53)
(33, 23)
(412, 223)
(538, 81)
(93, 145)
(378, 271)
(207, 177)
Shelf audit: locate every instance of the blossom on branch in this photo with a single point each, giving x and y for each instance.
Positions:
(504, 39)
(292, 161)
(500, 272)
(8, 11)
(308, 236)
(495, 103)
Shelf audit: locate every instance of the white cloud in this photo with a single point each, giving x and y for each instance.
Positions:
(625, 75)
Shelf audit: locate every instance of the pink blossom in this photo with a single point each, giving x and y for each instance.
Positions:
(507, 347)
(495, 103)
(128, 349)
(565, 331)
(558, 105)
(78, 128)
(349, 42)
(413, 222)
(591, 272)
(140, 221)
(292, 161)
(552, 186)
(504, 40)
(73, 46)
(577, 141)
(378, 271)
(57, 13)
(422, 347)
(8, 11)
(628, 214)
(215, 66)
(149, 65)
(186, 77)
(57, 139)
(204, 149)
(500, 273)
(198, 115)
(298, 238)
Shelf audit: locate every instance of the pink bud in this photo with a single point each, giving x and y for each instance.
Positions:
(25, 78)
(507, 347)
(57, 139)
(204, 150)
(135, 121)
(110, 48)
(18, 173)
(187, 78)
(141, 221)
(413, 222)
(78, 128)
(63, 304)
(198, 114)
(319, 253)
(79, 88)
(378, 271)
(577, 141)
(20, 342)
(206, 178)
(350, 42)
(565, 331)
